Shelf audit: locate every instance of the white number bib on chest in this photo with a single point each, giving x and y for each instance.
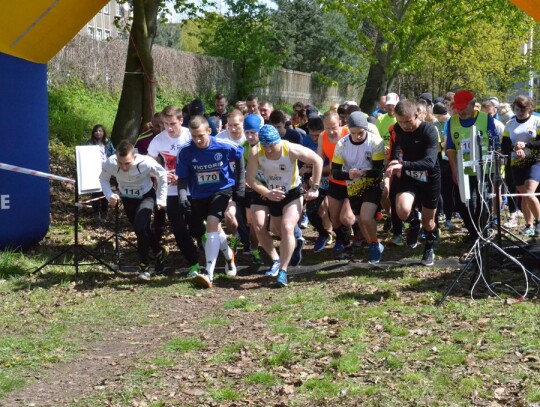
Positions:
(209, 177)
(132, 192)
(466, 145)
(417, 175)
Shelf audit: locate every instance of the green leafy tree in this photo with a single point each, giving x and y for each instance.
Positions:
(392, 32)
(317, 41)
(168, 35)
(244, 35)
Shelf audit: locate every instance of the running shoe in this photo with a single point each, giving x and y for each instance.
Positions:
(397, 240)
(428, 259)
(512, 223)
(230, 267)
(281, 279)
(274, 269)
(339, 246)
(304, 222)
(320, 243)
(193, 271)
(413, 232)
(144, 272)
(529, 231)
(162, 255)
(203, 280)
(375, 252)
(296, 257)
(537, 228)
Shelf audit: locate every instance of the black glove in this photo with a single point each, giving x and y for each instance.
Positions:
(185, 205)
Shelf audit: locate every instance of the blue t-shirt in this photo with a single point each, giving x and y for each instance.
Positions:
(294, 136)
(207, 170)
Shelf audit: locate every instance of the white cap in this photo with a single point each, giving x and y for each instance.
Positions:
(392, 99)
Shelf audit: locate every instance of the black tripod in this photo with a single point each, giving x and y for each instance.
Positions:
(75, 249)
(488, 243)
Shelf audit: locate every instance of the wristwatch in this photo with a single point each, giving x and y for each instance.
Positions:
(315, 187)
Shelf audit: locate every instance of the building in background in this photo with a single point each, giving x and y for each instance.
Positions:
(101, 26)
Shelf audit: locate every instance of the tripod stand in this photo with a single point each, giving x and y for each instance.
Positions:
(75, 249)
(488, 243)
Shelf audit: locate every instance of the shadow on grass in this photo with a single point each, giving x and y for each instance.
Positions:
(377, 296)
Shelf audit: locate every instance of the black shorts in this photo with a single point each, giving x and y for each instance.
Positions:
(372, 195)
(522, 174)
(256, 199)
(337, 191)
(425, 193)
(214, 205)
(276, 208)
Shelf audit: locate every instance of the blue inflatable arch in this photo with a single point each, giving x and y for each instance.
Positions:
(31, 35)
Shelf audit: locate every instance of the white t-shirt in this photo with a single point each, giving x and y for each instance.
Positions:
(137, 181)
(167, 147)
(226, 135)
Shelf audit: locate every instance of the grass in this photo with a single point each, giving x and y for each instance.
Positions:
(361, 337)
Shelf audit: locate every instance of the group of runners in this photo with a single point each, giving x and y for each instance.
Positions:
(338, 170)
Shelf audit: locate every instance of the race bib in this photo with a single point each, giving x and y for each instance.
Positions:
(208, 178)
(417, 175)
(135, 193)
(466, 145)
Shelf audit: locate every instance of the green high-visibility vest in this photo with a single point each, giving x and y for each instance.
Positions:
(462, 136)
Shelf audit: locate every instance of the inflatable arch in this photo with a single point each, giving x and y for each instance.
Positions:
(32, 33)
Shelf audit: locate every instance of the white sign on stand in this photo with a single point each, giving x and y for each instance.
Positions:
(88, 169)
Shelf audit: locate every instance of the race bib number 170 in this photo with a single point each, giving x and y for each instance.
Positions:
(207, 178)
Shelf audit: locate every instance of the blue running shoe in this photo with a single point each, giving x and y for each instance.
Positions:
(339, 246)
(296, 257)
(320, 243)
(375, 253)
(281, 279)
(274, 269)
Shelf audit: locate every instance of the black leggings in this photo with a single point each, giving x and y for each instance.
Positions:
(139, 213)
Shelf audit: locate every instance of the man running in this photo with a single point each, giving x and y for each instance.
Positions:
(359, 160)
(204, 165)
(166, 146)
(133, 173)
(415, 168)
(275, 160)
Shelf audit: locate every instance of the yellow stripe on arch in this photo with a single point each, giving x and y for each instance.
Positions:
(36, 30)
(531, 7)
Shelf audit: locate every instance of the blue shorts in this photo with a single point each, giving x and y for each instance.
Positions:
(522, 174)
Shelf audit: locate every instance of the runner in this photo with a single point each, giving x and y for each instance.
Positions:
(203, 165)
(133, 173)
(275, 161)
(415, 168)
(166, 146)
(359, 160)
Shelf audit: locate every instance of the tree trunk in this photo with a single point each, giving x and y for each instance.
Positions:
(136, 105)
(377, 79)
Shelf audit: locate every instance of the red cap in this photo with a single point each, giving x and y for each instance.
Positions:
(462, 98)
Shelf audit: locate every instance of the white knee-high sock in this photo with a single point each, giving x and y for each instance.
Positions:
(224, 245)
(211, 251)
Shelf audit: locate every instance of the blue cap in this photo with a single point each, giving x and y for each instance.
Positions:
(268, 135)
(253, 122)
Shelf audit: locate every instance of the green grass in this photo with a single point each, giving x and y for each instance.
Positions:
(184, 345)
(262, 377)
(225, 393)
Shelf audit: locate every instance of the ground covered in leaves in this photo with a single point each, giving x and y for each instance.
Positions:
(343, 332)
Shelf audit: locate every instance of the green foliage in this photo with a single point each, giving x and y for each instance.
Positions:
(12, 264)
(74, 110)
(245, 36)
(318, 42)
(168, 35)
(192, 32)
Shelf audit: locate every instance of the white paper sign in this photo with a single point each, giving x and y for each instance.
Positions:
(88, 169)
